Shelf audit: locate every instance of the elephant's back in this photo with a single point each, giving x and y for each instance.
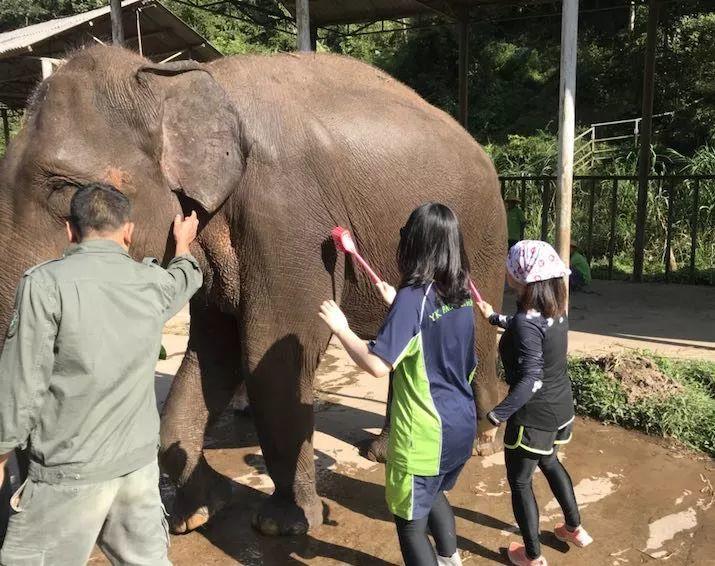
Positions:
(330, 107)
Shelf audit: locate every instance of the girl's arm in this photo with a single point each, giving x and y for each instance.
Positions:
(530, 341)
(500, 320)
(494, 318)
(356, 348)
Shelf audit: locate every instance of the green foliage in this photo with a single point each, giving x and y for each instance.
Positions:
(535, 154)
(688, 415)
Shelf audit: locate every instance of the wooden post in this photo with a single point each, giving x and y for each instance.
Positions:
(115, 11)
(522, 196)
(463, 33)
(646, 131)
(591, 201)
(313, 37)
(47, 67)
(567, 127)
(545, 205)
(612, 239)
(5, 126)
(669, 230)
(302, 22)
(694, 229)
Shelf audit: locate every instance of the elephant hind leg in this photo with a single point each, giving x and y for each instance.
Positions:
(201, 391)
(375, 449)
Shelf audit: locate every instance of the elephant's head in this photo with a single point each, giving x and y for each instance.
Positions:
(166, 135)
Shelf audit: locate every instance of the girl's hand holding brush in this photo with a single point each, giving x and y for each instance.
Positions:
(387, 291)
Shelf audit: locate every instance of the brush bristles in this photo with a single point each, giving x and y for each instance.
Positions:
(337, 234)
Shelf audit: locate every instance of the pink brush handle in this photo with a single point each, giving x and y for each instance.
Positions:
(474, 291)
(371, 274)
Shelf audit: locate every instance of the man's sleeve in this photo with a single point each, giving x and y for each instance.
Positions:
(400, 327)
(581, 265)
(26, 361)
(184, 279)
(530, 342)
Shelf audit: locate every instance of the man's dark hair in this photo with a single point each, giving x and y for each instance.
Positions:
(548, 297)
(432, 249)
(100, 208)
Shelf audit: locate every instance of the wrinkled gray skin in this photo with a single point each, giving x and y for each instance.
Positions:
(273, 152)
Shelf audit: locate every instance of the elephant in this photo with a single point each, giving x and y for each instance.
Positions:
(272, 152)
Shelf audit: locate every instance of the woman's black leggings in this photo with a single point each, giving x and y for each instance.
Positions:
(520, 467)
(416, 547)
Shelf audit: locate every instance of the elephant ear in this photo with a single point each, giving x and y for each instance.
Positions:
(200, 132)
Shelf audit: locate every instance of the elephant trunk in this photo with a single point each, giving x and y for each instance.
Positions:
(20, 250)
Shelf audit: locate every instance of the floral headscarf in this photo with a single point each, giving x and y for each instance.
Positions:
(533, 260)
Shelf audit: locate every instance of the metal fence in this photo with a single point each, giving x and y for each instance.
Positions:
(680, 225)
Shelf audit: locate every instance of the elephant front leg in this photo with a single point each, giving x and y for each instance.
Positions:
(280, 388)
(200, 393)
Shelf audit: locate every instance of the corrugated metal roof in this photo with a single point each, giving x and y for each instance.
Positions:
(19, 40)
(163, 36)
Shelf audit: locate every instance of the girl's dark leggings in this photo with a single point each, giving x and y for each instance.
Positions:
(416, 547)
(520, 468)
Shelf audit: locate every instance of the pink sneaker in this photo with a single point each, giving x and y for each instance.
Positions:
(517, 555)
(579, 537)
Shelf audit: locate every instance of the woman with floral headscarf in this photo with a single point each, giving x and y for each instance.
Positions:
(539, 409)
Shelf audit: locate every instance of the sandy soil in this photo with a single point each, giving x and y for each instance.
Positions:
(642, 499)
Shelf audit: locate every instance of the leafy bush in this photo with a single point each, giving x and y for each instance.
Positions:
(687, 415)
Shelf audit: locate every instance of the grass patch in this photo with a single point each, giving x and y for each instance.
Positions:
(685, 412)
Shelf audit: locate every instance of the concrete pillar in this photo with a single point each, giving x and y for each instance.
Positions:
(463, 33)
(302, 23)
(567, 125)
(646, 135)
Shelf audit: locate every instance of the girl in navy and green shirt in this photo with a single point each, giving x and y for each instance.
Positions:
(427, 346)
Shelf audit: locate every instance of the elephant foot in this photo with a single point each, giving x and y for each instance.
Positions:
(282, 517)
(484, 449)
(189, 515)
(375, 450)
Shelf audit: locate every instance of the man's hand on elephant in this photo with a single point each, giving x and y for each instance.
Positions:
(485, 308)
(3, 459)
(387, 291)
(185, 229)
(332, 316)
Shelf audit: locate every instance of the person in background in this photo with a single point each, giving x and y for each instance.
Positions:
(539, 409)
(580, 270)
(77, 388)
(515, 220)
(427, 342)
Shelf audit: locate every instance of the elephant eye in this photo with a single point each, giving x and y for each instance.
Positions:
(59, 198)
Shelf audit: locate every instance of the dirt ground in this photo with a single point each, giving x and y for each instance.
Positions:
(673, 320)
(642, 500)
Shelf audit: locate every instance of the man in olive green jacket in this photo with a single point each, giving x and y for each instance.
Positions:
(77, 389)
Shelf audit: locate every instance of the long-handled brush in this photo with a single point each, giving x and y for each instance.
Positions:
(344, 243)
(475, 293)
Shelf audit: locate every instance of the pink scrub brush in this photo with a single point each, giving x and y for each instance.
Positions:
(344, 243)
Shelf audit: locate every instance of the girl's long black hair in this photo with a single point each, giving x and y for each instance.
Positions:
(432, 249)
